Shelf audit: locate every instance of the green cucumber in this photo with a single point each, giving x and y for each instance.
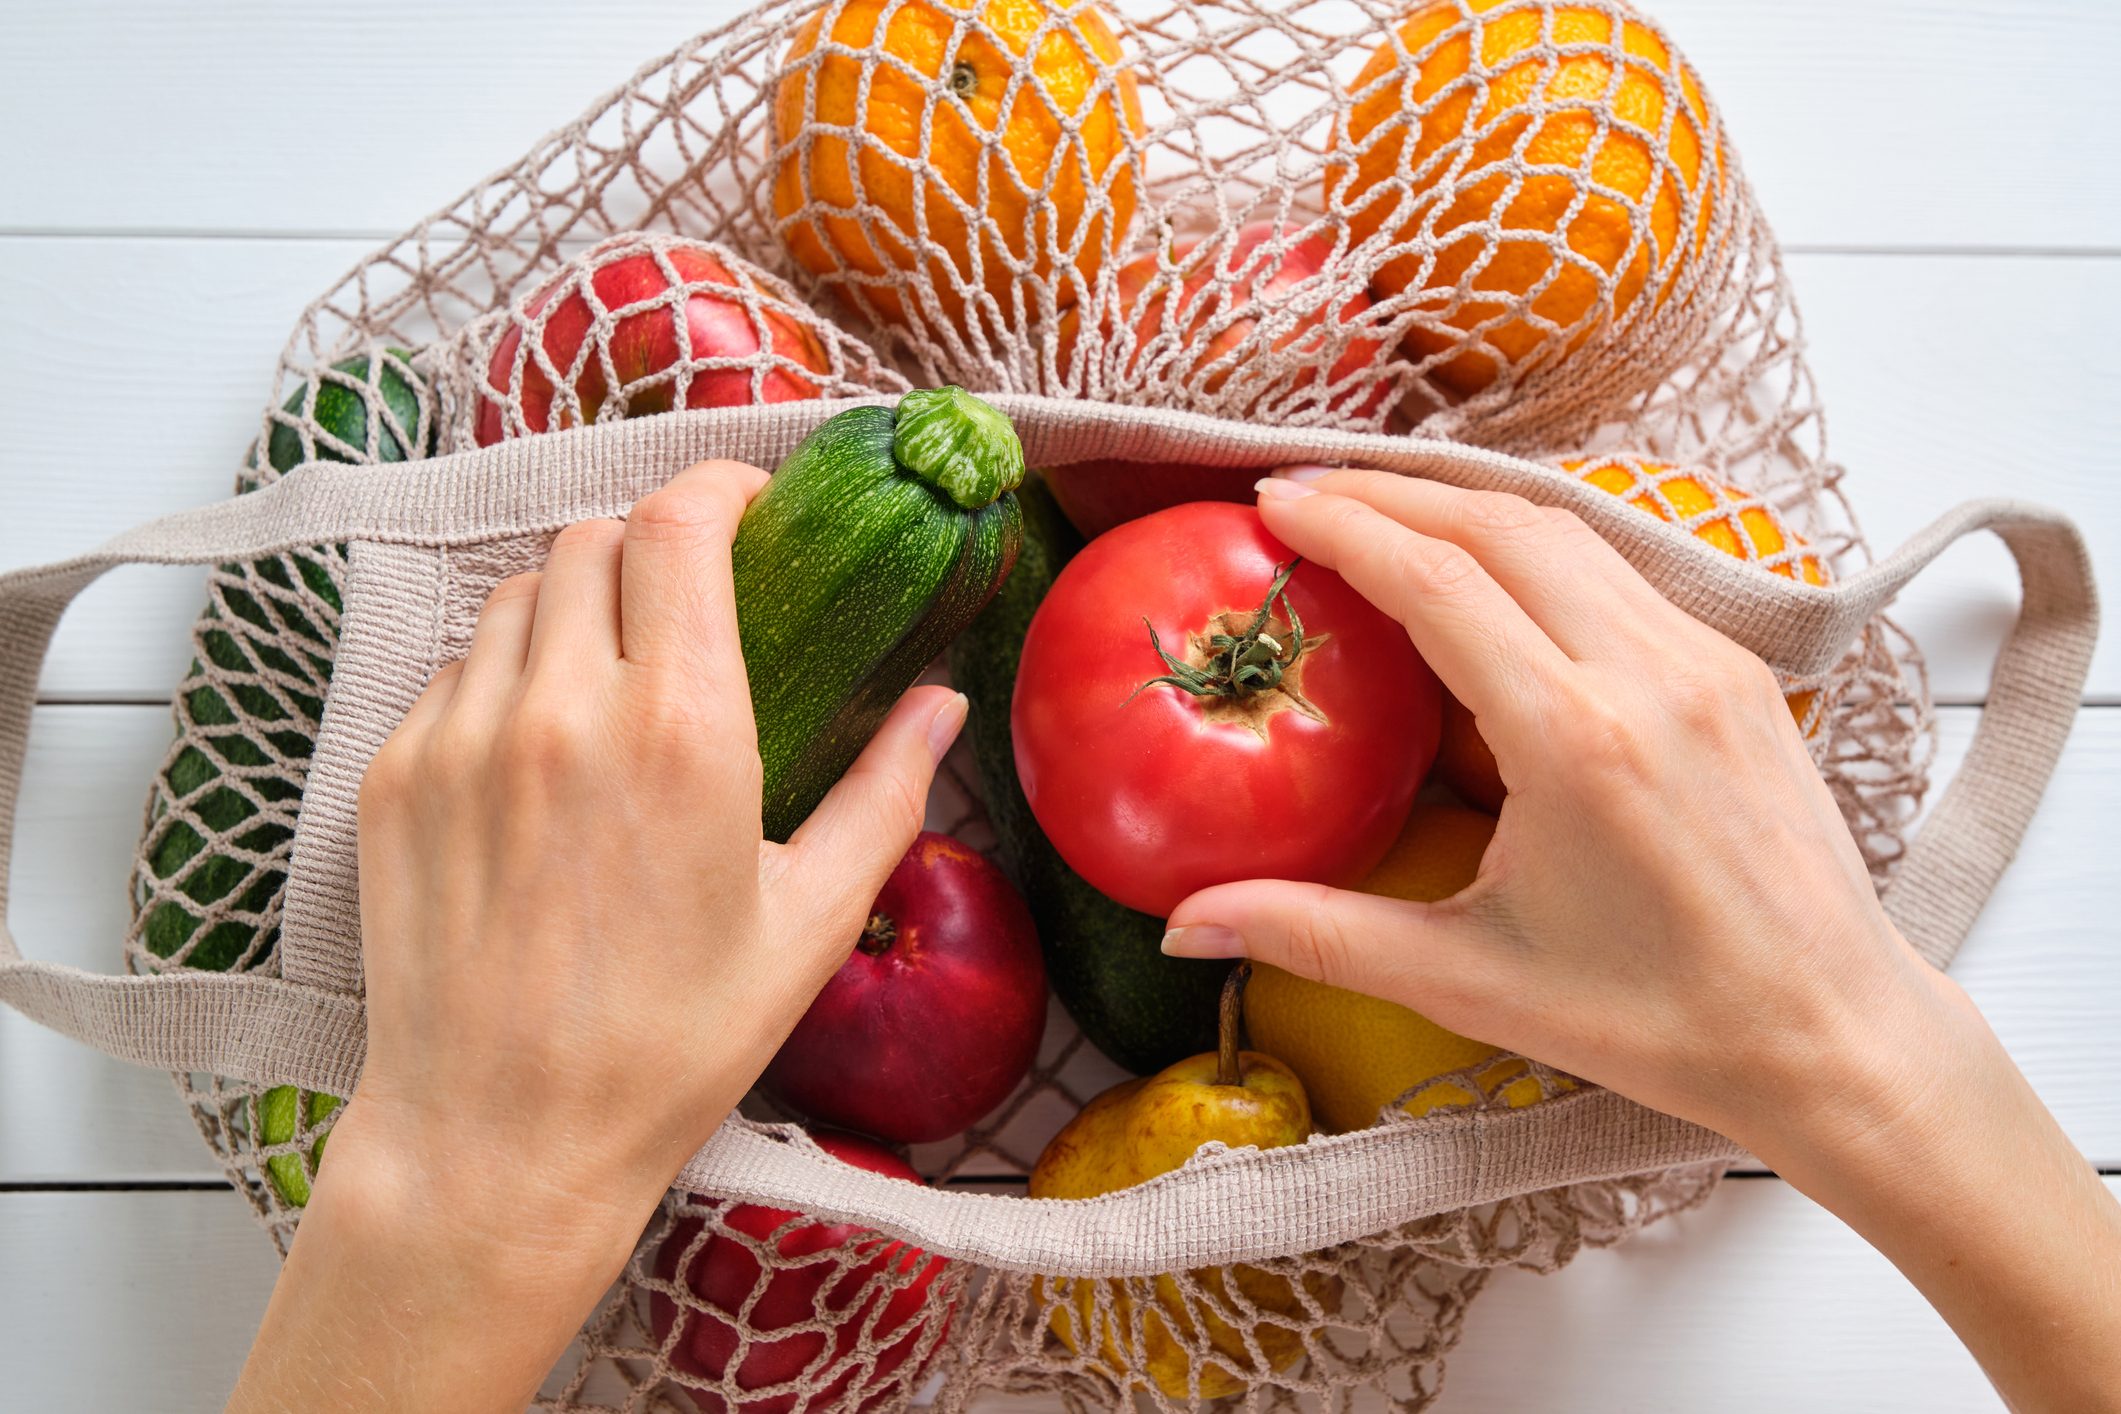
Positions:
(1104, 960)
(876, 542)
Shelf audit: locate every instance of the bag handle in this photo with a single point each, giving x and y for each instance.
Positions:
(1972, 834)
(271, 1030)
(230, 1024)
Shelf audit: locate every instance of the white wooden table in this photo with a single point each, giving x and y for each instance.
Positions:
(177, 181)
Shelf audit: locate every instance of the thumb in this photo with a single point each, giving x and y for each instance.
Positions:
(1416, 954)
(838, 859)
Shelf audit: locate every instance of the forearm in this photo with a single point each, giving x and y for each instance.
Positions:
(1954, 1169)
(404, 1293)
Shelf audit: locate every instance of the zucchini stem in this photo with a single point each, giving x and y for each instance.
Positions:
(957, 444)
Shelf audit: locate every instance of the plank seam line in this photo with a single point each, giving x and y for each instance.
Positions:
(1990, 250)
(120, 1185)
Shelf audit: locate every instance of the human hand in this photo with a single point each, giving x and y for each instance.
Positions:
(579, 954)
(1672, 906)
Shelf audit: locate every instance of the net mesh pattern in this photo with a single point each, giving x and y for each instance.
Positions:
(1516, 223)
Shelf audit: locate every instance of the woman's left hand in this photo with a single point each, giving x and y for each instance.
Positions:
(579, 955)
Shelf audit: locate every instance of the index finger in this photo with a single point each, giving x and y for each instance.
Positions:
(677, 605)
(1479, 640)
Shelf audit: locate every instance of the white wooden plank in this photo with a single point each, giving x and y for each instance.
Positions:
(263, 117)
(2044, 960)
(1901, 123)
(1944, 378)
(133, 1301)
(69, 1114)
(1755, 1304)
(1950, 378)
(2043, 963)
(1890, 122)
(135, 374)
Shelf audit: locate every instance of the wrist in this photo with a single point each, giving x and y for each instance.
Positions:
(496, 1219)
(1897, 1092)
(1875, 1077)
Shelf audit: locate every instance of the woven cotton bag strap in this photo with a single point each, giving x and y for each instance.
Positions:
(275, 1031)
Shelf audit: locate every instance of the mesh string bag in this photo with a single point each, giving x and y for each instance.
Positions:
(1514, 224)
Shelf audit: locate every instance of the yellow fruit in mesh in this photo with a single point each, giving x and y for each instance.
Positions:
(1741, 525)
(1001, 183)
(1180, 1337)
(1561, 151)
(1194, 1333)
(1357, 1054)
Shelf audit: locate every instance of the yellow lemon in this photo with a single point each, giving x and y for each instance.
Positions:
(1357, 1054)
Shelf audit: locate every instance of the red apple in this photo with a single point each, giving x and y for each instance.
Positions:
(1217, 332)
(855, 1280)
(935, 1017)
(1095, 496)
(675, 351)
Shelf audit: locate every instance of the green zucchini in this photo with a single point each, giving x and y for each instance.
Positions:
(253, 702)
(876, 542)
(1104, 960)
(276, 1124)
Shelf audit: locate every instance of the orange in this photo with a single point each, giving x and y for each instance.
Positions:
(1357, 1054)
(1579, 133)
(1741, 525)
(1000, 200)
(1464, 762)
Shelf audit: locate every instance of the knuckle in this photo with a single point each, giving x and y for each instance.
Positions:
(1597, 736)
(514, 589)
(1500, 514)
(588, 535)
(898, 806)
(1437, 567)
(1565, 525)
(386, 787)
(678, 511)
(1318, 943)
(541, 742)
(1698, 701)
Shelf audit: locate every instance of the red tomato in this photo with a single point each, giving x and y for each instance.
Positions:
(1151, 793)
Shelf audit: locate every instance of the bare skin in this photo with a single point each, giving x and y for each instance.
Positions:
(579, 955)
(1672, 907)
(548, 1045)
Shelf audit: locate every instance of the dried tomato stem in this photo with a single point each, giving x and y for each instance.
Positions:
(1241, 664)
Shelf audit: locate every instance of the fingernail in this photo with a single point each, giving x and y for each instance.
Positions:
(1276, 488)
(1305, 471)
(1203, 940)
(949, 720)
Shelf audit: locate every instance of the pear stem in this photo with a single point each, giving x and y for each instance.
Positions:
(1230, 1027)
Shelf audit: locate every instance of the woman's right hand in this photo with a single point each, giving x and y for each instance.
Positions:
(1673, 908)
